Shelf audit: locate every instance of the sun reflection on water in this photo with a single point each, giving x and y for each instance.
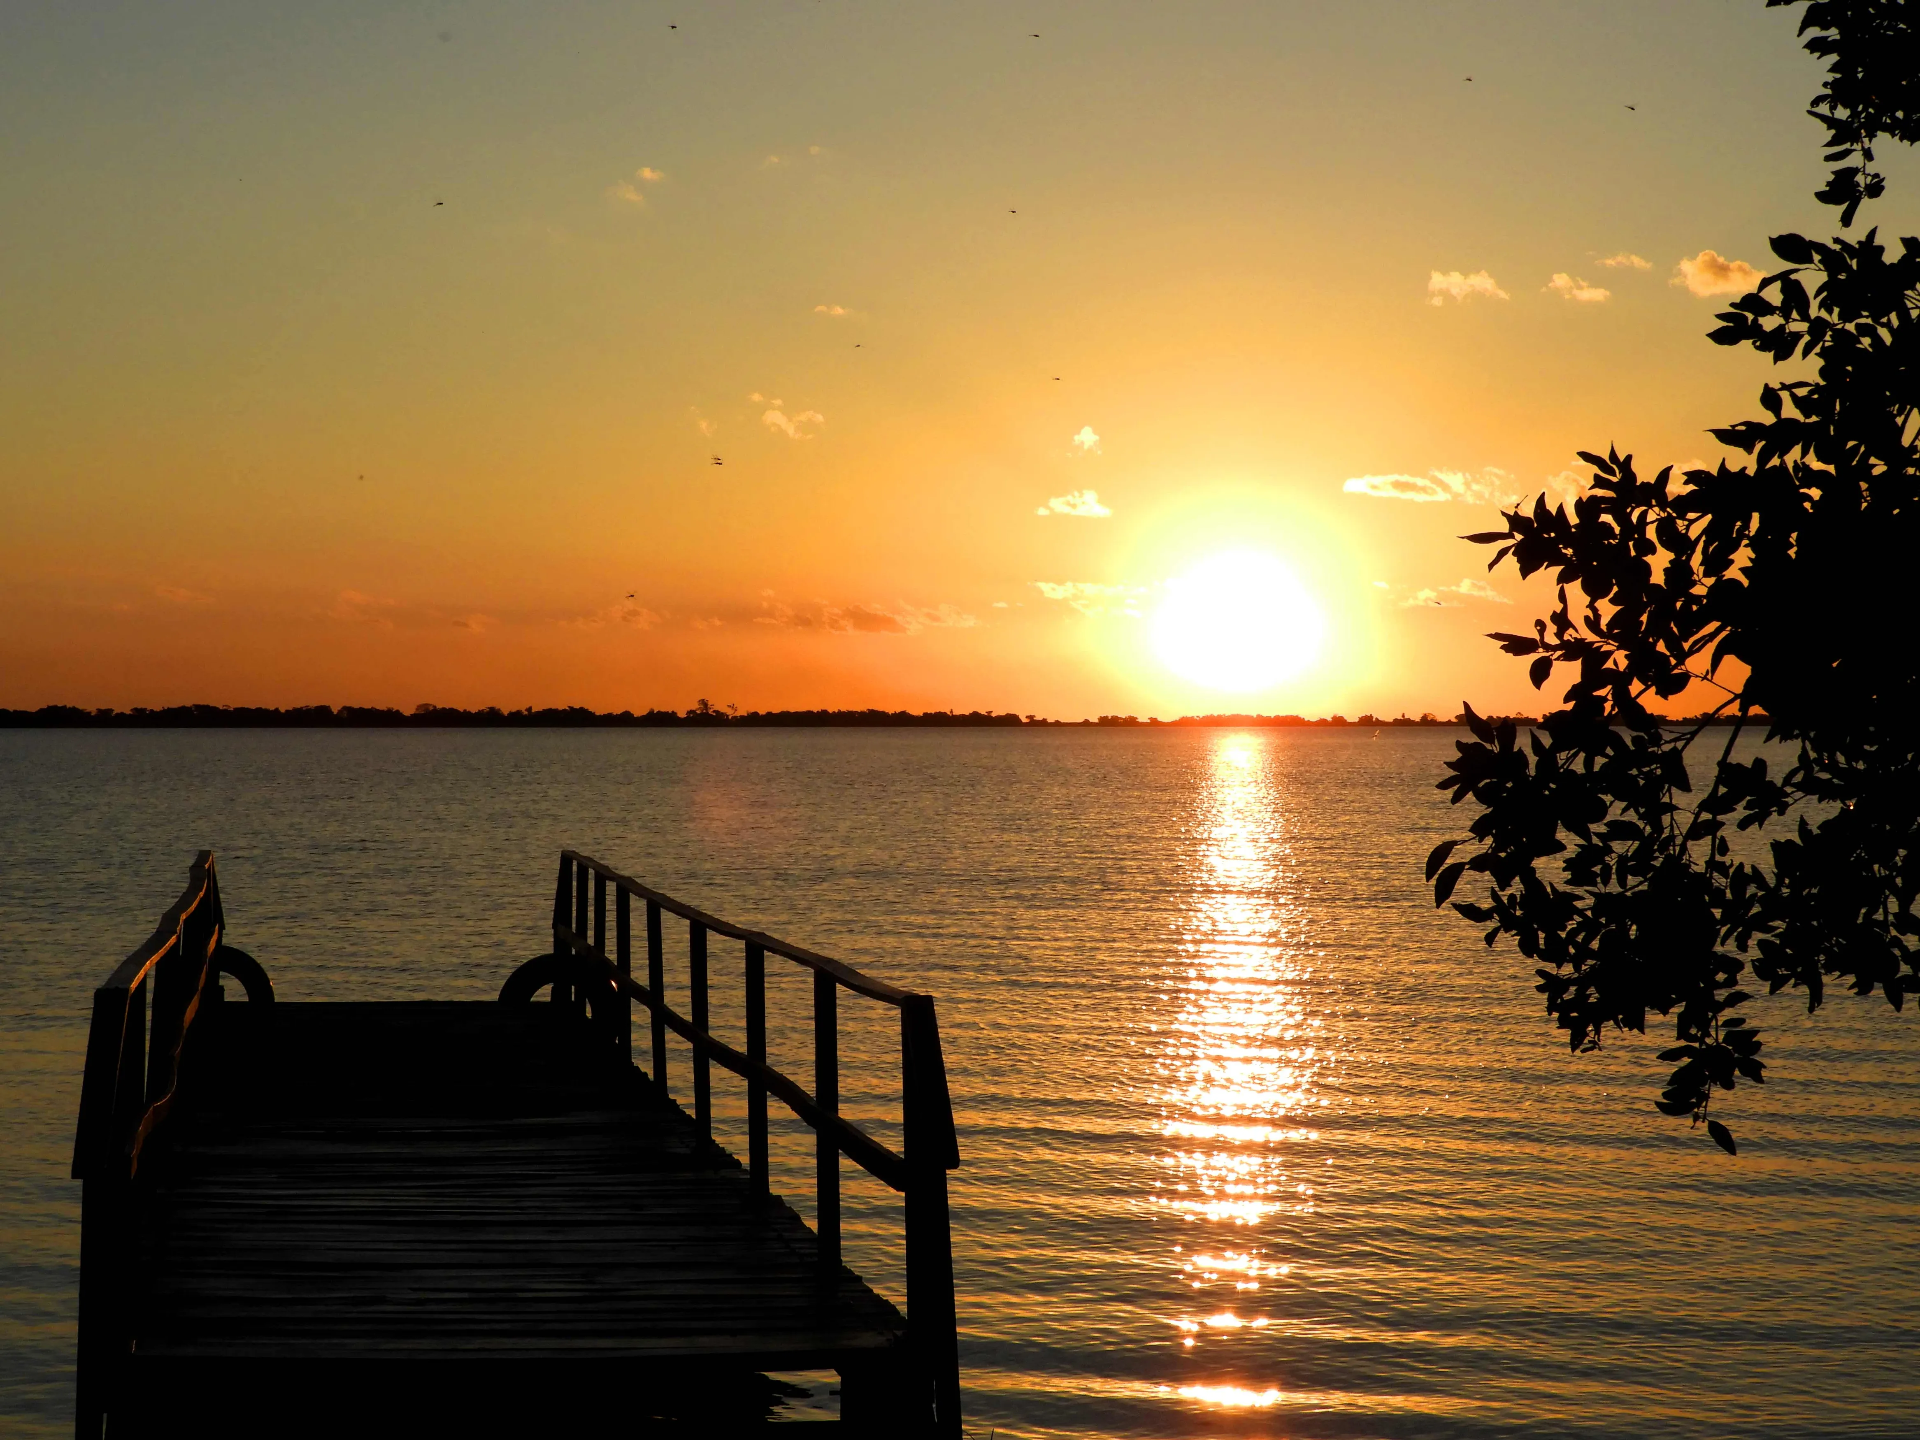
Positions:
(1241, 1066)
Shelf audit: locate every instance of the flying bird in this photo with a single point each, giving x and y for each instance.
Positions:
(629, 594)
(1630, 107)
(718, 461)
(1469, 79)
(439, 202)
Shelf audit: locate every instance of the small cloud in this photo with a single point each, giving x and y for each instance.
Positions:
(176, 595)
(1567, 286)
(476, 624)
(813, 149)
(1421, 488)
(1083, 503)
(769, 162)
(858, 619)
(1451, 595)
(701, 422)
(356, 606)
(1489, 486)
(1091, 598)
(793, 426)
(1626, 261)
(1473, 589)
(1451, 284)
(624, 192)
(834, 310)
(758, 399)
(1710, 273)
(1380, 585)
(649, 174)
(1088, 442)
(999, 604)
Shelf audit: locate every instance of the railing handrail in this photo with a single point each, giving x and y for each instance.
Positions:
(166, 931)
(878, 1160)
(845, 974)
(111, 1049)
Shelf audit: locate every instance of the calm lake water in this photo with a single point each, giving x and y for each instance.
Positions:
(1254, 1141)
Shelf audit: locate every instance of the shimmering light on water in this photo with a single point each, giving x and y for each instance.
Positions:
(1245, 1055)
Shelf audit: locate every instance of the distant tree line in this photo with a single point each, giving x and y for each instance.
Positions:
(448, 717)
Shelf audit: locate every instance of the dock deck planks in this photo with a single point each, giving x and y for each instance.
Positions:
(350, 1186)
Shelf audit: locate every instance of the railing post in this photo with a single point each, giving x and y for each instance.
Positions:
(562, 915)
(580, 873)
(756, 977)
(623, 958)
(826, 1147)
(931, 1150)
(697, 985)
(657, 983)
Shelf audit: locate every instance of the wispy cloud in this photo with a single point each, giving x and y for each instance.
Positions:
(1087, 442)
(178, 595)
(836, 311)
(769, 162)
(1627, 260)
(1083, 503)
(1451, 595)
(364, 609)
(1092, 598)
(625, 192)
(1567, 286)
(627, 612)
(858, 619)
(701, 422)
(1444, 285)
(793, 426)
(475, 624)
(1710, 273)
(1489, 486)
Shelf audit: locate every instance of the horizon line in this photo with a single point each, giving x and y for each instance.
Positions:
(704, 714)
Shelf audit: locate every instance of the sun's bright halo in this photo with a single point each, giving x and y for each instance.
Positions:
(1239, 620)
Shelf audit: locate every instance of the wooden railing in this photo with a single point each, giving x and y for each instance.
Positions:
(931, 1149)
(134, 1051)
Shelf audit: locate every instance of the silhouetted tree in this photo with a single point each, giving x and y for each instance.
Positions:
(1784, 584)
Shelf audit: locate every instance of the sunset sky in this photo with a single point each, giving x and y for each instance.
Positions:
(380, 353)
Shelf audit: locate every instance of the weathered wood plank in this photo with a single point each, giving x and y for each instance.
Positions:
(476, 1179)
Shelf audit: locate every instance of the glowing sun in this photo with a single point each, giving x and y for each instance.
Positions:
(1239, 620)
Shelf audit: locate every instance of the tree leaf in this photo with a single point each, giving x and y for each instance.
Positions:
(1437, 856)
(1722, 1137)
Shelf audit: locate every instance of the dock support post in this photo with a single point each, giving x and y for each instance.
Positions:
(932, 1150)
(657, 983)
(697, 984)
(623, 958)
(826, 1149)
(756, 977)
(580, 874)
(562, 909)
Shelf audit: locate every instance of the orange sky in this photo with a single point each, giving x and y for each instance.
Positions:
(380, 357)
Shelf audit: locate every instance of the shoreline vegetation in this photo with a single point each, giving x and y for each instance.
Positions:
(445, 717)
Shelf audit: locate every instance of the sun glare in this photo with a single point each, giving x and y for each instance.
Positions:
(1237, 621)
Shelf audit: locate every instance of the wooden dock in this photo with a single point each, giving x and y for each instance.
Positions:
(316, 1218)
